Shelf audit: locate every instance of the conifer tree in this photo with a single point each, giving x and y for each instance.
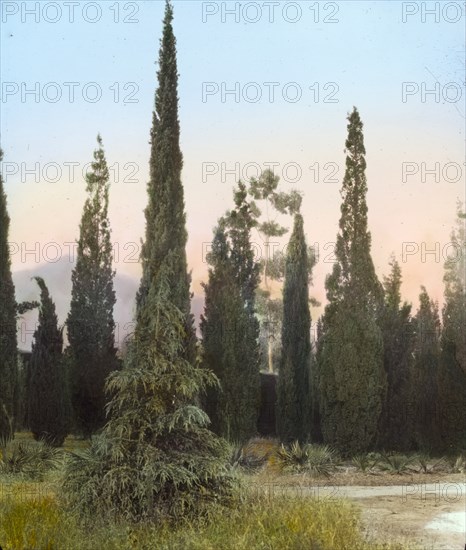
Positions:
(425, 373)
(8, 343)
(156, 457)
(352, 379)
(230, 348)
(452, 375)
(90, 322)
(48, 398)
(166, 234)
(395, 430)
(293, 390)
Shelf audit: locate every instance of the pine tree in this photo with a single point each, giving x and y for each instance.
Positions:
(156, 457)
(8, 344)
(395, 429)
(425, 373)
(90, 322)
(230, 348)
(352, 379)
(293, 391)
(48, 399)
(452, 376)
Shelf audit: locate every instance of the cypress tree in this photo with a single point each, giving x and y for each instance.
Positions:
(425, 373)
(352, 379)
(156, 457)
(166, 234)
(293, 390)
(90, 322)
(230, 348)
(395, 430)
(8, 343)
(48, 399)
(452, 376)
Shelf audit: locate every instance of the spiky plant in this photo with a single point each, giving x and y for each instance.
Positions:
(396, 463)
(313, 459)
(32, 460)
(365, 462)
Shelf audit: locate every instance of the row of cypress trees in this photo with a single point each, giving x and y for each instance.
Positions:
(368, 374)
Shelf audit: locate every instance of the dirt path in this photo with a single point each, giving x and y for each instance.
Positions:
(431, 516)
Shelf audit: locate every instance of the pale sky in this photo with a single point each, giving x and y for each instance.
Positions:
(293, 75)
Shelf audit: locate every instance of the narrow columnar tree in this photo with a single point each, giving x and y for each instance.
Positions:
(156, 457)
(229, 325)
(48, 398)
(90, 322)
(426, 373)
(293, 391)
(395, 429)
(8, 344)
(452, 376)
(166, 234)
(352, 378)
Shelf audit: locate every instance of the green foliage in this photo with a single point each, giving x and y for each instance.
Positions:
(156, 457)
(366, 462)
(452, 369)
(272, 264)
(317, 460)
(90, 324)
(32, 460)
(395, 427)
(230, 350)
(425, 373)
(350, 372)
(48, 398)
(426, 464)
(395, 463)
(8, 309)
(293, 390)
(166, 236)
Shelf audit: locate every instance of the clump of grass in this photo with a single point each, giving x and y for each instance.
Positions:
(396, 463)
(32, 459)
(457, 464)
(317, 460)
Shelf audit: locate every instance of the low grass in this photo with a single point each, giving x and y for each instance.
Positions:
(255, 523)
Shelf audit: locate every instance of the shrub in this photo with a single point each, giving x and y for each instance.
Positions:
(366, 462)
(30, 459)
(423, 461)
(395, 464)
(313, 459)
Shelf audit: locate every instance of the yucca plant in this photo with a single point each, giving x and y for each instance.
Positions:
(313, 459)
(424, 463)
(365, 462)
(457, 464)
(396, 463)
(31, 459)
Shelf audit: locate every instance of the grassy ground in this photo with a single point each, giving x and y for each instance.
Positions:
(33, 517)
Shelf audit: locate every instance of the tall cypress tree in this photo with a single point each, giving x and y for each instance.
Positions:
(90, 321)
(8, 343)
(166, 234)
(156, 457)
(452, 375)
(230, 329)
(395, 430)
(293, 391)
(352, 379)
(426, 373)
(48, 399)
